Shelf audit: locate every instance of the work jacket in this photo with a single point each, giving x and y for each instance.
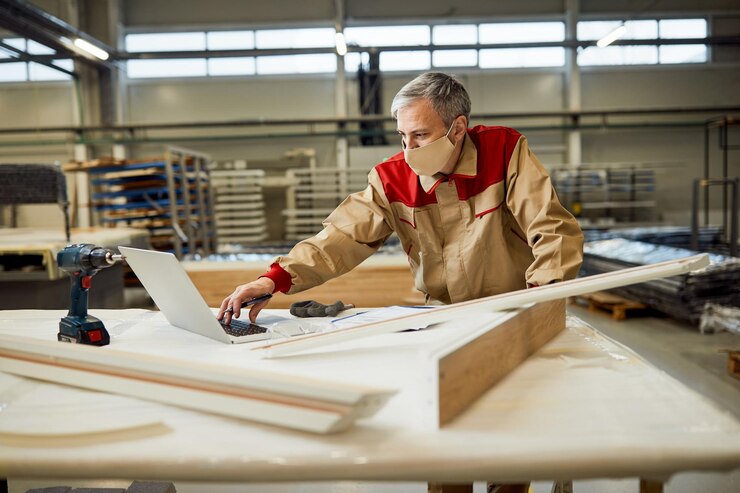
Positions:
(492, 226)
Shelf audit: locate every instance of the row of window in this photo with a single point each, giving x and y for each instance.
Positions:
(379, 36)
(415, 35)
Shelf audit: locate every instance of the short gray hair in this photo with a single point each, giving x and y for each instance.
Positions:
(446, 94)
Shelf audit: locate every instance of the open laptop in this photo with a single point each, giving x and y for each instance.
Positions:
(182, 305)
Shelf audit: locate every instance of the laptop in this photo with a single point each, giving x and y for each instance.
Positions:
(182, 305)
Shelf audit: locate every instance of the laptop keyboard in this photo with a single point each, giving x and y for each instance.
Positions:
(238, 328)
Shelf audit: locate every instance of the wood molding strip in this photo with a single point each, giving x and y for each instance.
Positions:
(203, 387)
(499, 302)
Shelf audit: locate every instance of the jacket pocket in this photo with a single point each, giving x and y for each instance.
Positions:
(489, 200)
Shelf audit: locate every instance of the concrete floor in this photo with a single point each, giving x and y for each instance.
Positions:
(678, 349)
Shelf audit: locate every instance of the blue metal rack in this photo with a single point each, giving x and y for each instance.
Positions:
(170, 196)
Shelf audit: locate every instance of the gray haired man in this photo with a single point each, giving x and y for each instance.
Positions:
(473, 207)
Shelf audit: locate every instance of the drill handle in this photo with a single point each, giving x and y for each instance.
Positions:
(80, 287)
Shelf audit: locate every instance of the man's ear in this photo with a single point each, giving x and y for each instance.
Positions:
(461, 125)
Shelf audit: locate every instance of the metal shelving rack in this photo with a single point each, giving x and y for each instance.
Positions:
(620, 195)
(314, 193)
(170, 196)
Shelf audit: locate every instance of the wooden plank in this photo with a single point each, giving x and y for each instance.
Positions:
(500, 302)
(291, 401)
(466, 372)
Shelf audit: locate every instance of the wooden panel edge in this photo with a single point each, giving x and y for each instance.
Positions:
(469, 371)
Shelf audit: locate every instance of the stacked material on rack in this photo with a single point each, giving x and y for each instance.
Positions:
(718, 318)
(168, 195)
(682, 297)
(314, 195)
(239, 206)
(675, 236)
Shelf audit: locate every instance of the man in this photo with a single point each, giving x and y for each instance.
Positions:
(473, 207)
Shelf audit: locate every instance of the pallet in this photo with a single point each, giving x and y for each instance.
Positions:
(733, 361)
(616, 305)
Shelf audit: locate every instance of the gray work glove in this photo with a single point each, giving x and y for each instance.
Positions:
(313, 308)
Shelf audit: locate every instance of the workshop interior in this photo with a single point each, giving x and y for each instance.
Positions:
(155, 155)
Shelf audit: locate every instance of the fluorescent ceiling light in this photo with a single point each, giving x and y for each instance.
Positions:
(612, 36)
(91, 49)
(340, 43)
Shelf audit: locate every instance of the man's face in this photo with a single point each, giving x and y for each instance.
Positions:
(418, 124)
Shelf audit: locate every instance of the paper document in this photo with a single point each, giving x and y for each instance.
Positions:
(380, 315)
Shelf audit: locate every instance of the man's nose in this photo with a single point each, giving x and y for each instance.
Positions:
(411, 143)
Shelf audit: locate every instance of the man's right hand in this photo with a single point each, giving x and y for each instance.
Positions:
(245, 292)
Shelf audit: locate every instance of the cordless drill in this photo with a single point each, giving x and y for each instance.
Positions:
(82, 262)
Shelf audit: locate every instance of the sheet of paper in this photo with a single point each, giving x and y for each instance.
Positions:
(379, 315)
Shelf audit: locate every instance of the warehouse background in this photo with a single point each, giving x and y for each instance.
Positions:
(635, 139)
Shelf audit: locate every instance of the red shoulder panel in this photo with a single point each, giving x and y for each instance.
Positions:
(495, 146)
(401, 184)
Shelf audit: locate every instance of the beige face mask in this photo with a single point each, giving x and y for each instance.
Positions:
(431, 158)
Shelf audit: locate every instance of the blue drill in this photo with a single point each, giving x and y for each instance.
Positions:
(82, 262)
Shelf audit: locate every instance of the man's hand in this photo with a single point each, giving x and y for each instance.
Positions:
(243, 293)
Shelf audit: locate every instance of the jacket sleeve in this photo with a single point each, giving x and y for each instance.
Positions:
(551, 231)
(352, 232)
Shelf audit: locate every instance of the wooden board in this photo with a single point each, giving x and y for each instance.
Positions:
(366, 286)
(467, 371)
(500, 302)
(291, 401)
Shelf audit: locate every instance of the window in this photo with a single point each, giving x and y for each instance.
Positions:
(426, 36)
(35, 48)
(296, 38)
(683, 54)
(640, 54)
(13, 72)
(391, 61)
(522, 57)
(388, 36)
(455, 58)
(353, 60)
(619, 55)
(297, 64)
(455, 35)
(231, 66)
(595, 30)
(31, 71)
(17, 43)
(521, 32)
(137, 43)
(230, 40)
(683, 28)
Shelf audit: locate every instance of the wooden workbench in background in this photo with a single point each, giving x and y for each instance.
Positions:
(382, 280)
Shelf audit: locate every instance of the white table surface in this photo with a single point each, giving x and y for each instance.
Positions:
(582, 407)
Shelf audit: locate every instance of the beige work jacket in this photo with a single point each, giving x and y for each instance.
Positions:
(492, 226)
